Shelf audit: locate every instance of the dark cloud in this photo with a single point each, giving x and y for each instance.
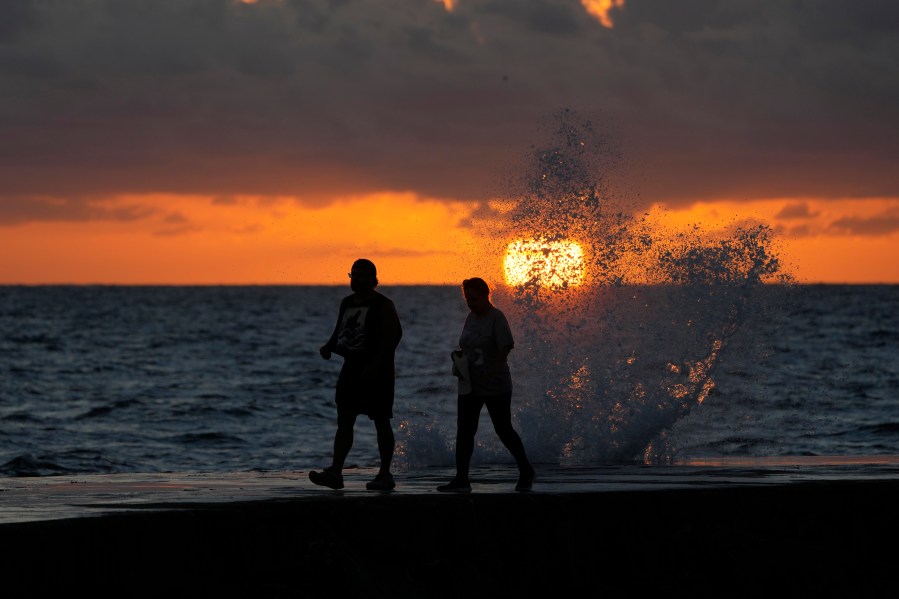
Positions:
(798, 231)
(797, 210)
(16, 16)
(548, 17)
(15, 209)
(311, 98)
(174, 224)
(874, 226)
(175, 218)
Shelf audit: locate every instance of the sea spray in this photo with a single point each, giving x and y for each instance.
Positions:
(620, 320)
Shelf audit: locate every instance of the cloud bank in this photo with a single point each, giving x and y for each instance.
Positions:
(319, 99)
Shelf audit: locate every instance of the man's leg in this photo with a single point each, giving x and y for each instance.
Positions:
(386, 443)
(343, 439)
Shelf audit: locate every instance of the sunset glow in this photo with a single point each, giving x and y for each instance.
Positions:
(552, 264)
(167, 239)
(243, 240)
(600, 9)
(823, 241)
(272, 141)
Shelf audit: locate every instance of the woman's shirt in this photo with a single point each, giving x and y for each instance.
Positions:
(486, 341)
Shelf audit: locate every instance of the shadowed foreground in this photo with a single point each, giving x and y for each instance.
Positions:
(808, 537)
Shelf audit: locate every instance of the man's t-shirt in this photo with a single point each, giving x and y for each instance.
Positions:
(367, 332)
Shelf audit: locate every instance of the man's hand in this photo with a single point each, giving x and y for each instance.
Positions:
(325, 352)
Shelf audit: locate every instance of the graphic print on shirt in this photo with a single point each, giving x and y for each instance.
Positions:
(479, 356)
(352, 330)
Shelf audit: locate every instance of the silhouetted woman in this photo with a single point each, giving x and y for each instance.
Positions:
(485, 342)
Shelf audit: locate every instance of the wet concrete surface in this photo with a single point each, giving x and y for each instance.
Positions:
(711, 528)
(26, 499)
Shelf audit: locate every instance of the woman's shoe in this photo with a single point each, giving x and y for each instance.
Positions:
(457, 485)
(327, 478)
(526, 480)
(382, 482)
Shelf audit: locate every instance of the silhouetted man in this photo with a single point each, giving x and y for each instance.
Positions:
(367, 333)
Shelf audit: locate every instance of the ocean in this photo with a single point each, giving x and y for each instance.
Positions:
(129, 379)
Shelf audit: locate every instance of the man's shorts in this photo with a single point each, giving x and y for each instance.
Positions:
(372, 398)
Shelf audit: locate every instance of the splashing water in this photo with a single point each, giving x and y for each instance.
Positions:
(609, 358)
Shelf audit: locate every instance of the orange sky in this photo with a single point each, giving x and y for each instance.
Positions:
(198, 240)
(274, 142)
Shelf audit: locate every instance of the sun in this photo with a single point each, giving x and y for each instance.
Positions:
(552, 264)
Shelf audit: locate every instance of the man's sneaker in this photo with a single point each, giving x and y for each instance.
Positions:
(457, 485)
(382, 482)
(525, 480)
(327, 478)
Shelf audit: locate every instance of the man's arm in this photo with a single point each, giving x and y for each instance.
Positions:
(331, 345)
